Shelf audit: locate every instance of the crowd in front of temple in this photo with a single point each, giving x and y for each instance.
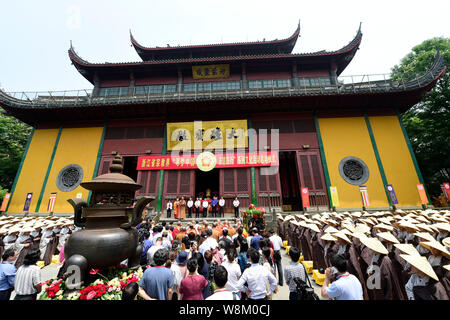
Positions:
(401, 255)
(199, 208)
(216, 261)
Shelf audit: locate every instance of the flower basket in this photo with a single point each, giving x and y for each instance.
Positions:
(253, 217)
(108, 285)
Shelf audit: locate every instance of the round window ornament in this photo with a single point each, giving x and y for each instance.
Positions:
(206, 161)
(69, 178)
(354, 171)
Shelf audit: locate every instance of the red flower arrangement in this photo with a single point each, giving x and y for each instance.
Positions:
(123, 284)
(53, 289)
(93, 292)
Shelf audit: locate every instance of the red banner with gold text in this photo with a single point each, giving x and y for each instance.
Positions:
(232, 160)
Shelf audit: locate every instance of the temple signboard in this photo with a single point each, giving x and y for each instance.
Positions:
(216, 71)
(200, 135)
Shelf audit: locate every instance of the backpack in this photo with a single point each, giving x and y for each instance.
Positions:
(305, 291)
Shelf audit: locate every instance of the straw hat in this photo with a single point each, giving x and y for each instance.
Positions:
(388, 237)
(362, 228)
(331, 229)
(436, 245)
(346, 231)
(422, 264)
(446, 242)
(14, 229)
(356, 214)
(407, 248)
(342, 236)
(349, 227)
(384, 227)
(313, 227)
(332, 222)
(425, 236)
(447, 267)
(367, 221)
(442, 226)
(424, 227)
(289, 217)
(358, 235)
(27, 229)
(438, 218)
(374, 244)
(3, 230)
(328, 237)
(422, 219)
(408, 225)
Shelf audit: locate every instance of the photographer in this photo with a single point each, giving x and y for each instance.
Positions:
(344, 286)
(294, 270)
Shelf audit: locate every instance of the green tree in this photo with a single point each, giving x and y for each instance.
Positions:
(428, 122)
(13, 139)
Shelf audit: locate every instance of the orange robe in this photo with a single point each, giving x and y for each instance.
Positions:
(182, 209)
(176, 209)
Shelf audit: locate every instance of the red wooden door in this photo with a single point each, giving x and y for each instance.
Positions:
(235, 182)
(311, 176)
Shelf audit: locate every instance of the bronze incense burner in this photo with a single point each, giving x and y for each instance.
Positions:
(108, 235)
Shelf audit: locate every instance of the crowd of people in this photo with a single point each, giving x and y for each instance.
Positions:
(400, 255)
(25, 241)
(201, 207)
(202, 260)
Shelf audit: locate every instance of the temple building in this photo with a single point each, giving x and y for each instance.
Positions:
(275, 122)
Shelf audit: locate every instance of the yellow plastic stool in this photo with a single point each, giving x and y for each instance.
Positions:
(300, 259)
(318, 277)
(308, 266)
(285, 244)
(287, 249)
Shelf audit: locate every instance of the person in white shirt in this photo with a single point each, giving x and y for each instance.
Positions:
(236, 207)
(197, 208)
(169, 208)
(257, 276)
(209, 243)
(234, 271)
(221, 207)
(277, 245)
(205, 205)
(190, 204)
(221, 292)
(153, 249)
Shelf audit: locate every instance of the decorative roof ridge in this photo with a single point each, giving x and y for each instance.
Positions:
(347, 48)
(137, 45)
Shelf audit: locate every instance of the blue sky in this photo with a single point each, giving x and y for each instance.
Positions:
(35, 35)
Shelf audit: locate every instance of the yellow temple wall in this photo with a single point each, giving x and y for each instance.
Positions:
(34, 169)
(345, 137)
(76, 146)
(397, 162)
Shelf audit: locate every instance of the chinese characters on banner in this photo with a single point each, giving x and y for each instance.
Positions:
(254, 159)
(422, 194)
(215, 71)
(202, 135)
(364, 196)
(305, 197)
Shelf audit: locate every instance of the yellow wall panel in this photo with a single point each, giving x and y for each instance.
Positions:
(76, 146)
(345, 137)
(33, 170)
(397, 162)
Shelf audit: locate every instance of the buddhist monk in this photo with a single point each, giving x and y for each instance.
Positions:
(383, 282)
